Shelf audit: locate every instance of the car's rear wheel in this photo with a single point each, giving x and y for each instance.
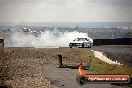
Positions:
(83, 45)
(89, 47)
(70, 46)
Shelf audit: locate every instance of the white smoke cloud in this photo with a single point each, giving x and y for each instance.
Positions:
(19, 39)
(46, 39)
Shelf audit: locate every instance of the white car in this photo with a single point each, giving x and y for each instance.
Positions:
(81, 42)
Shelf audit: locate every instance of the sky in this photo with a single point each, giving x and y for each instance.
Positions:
(65, 10)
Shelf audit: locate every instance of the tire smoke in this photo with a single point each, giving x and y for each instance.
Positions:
(44, 39)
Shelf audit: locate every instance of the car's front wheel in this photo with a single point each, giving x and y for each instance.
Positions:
(84, 45)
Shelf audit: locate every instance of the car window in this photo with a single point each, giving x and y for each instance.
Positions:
(86, 39)
(81, 39)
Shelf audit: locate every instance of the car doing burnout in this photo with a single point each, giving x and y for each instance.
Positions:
(81, 42)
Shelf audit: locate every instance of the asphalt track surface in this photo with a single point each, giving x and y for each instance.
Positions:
(66, 78)
(122, 54)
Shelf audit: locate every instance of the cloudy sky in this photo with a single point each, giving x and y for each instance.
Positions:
(65, 10)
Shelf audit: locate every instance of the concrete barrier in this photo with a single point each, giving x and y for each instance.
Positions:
(117, 41)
